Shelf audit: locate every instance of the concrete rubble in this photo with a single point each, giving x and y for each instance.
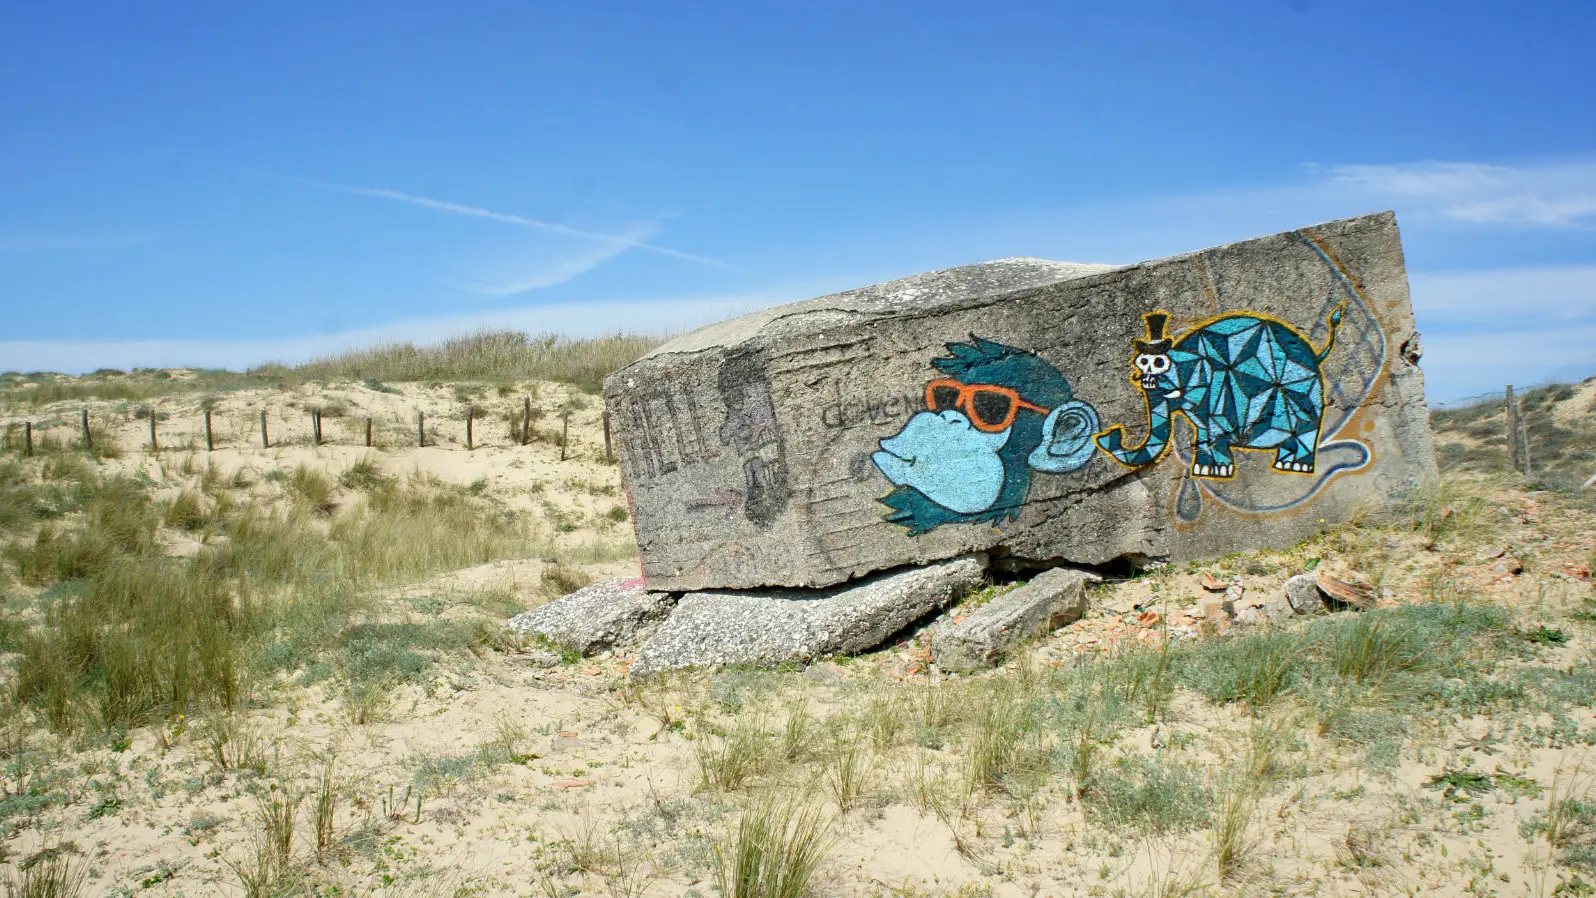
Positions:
(598, 617)
(1302, 593)
(1050, 600)
(774, 627)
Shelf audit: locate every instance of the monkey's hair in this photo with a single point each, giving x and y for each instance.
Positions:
(983, 361)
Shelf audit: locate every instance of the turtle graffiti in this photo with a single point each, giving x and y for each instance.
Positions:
(1243, 380)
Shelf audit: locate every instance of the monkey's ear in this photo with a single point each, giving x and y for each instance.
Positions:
(1066, 439)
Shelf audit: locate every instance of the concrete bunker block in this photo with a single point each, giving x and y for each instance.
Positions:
(1229, 399)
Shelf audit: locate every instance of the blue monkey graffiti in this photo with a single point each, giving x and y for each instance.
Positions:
(1243, 381)
(998, 415)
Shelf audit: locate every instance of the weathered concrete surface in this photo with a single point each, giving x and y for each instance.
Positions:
(597, 617)
(796, 447)
(1050, 600)
(715, 629)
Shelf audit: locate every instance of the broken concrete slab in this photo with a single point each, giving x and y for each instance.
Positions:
(1050, 412)
(597, 617)
(767, 629)
(1050, 600)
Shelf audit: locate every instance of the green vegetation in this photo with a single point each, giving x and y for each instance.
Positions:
(494, 357)
(50, 873)
(132, 635)
(37, 389)
(491, 356)
(1563, 453)
(775, 851)
(257, 639)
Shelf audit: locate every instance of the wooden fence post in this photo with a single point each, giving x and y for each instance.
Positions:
(1512, 430)
(1523, 429)
(265, 441)
(210, 442)
(155, 445)
(470, 414)
(368, 432)
(421, 429)
(565, 433)
(609, 454)
(27, 438)
(88, 438)
(526, 420)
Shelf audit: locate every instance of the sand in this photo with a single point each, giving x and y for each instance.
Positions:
(500, 776)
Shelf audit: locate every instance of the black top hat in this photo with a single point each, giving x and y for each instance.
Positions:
(1156, 343)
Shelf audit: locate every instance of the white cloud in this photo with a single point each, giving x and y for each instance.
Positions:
(1544, 194)
(1465, 366)
(1489, 328)
(1505, 296)
(1482, 329)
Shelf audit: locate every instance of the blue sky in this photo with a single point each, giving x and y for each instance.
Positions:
(222, 184)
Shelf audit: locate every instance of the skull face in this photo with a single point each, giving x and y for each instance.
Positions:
(1149, 367)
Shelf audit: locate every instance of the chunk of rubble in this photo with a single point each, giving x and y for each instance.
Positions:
(774, 627)
(598, 617)
(1344, 593)
(1217, 612)
(1251, 616)
(1302, 593)
(1051, 600)
(1278, 607)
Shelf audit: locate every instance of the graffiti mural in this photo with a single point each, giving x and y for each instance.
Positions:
(1238, 381)
(997, 415)
(1351, 374)
(751, 431)
(1243, 381)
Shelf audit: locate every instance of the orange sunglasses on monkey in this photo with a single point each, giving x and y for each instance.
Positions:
(991, 408)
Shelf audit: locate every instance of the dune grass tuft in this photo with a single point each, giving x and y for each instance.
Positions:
(55, 874)
(775, 851)
(493, 356)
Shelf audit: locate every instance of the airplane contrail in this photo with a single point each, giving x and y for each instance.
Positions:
(520, 220)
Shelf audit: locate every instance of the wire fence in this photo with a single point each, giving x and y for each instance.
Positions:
(1529, 431)
(465, 429)
(1496, 395)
